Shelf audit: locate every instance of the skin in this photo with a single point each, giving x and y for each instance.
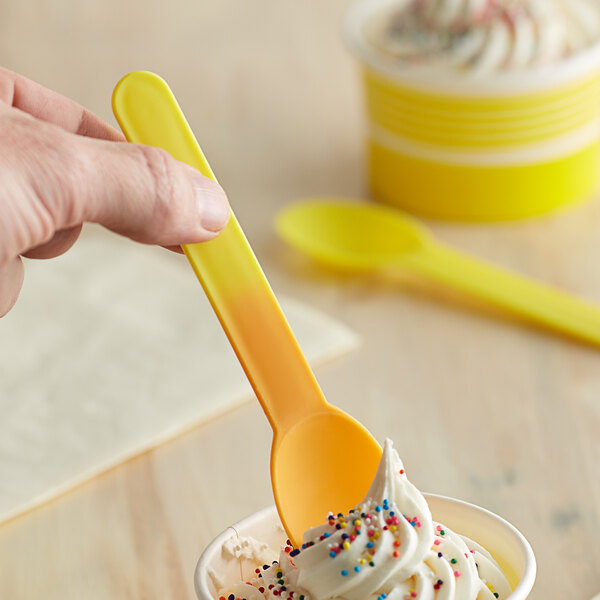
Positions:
(61, 166)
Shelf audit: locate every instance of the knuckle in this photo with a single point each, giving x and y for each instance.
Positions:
(161, 176)
(24, 176)
(170, 192)
(53, 166)
(62, 173)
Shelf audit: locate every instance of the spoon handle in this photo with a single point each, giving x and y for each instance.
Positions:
(535, 301)
(226, 267)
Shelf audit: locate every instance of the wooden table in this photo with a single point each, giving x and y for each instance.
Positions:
(480, 407)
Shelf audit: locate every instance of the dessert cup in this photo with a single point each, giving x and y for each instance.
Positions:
(456, 145)
(506, 544)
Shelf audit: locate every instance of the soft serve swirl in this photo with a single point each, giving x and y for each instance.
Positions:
(487, 35)
(387, 547)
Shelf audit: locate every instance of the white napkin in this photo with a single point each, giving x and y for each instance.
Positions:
(112, 349)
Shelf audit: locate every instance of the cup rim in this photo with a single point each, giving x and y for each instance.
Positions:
(523, 587)
(528, 578)
(455, 82)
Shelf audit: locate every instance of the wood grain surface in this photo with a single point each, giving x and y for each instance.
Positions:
(480, 406)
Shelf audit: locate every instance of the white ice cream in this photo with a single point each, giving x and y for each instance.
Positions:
(386, 548)
(486, 35)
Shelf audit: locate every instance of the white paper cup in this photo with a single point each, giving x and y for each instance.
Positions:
(504, 542)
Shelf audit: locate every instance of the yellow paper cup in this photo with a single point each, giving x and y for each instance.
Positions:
(454, 145)
(217, 569)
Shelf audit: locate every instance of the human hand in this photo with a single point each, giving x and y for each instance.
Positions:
(61, 165)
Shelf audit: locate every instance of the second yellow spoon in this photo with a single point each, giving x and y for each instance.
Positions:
(365, 236)
(321, 458)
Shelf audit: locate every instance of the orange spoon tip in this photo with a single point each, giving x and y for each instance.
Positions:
(339, 461)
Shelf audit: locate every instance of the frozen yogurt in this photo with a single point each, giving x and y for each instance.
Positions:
(485, 35)
(387, 547)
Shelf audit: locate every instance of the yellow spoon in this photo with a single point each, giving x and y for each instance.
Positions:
(367, 236)
(321, 458)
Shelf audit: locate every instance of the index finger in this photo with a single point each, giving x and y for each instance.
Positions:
(47, 105)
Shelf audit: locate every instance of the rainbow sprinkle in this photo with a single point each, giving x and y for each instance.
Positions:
(361, 521)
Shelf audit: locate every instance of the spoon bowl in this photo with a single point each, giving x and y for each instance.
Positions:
(334, 453)
(351, 235)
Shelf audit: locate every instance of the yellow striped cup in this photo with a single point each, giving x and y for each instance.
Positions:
(452, 145)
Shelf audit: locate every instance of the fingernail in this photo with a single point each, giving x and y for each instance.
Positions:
(212, 205)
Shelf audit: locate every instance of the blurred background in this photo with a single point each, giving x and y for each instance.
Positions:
(480, 406)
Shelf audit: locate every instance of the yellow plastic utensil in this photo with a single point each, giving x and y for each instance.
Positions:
(321, 458)
(367, 236)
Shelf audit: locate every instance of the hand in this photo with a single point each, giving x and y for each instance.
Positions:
(61, 165)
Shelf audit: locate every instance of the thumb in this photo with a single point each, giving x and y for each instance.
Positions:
(145, 194)
(52, 180)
